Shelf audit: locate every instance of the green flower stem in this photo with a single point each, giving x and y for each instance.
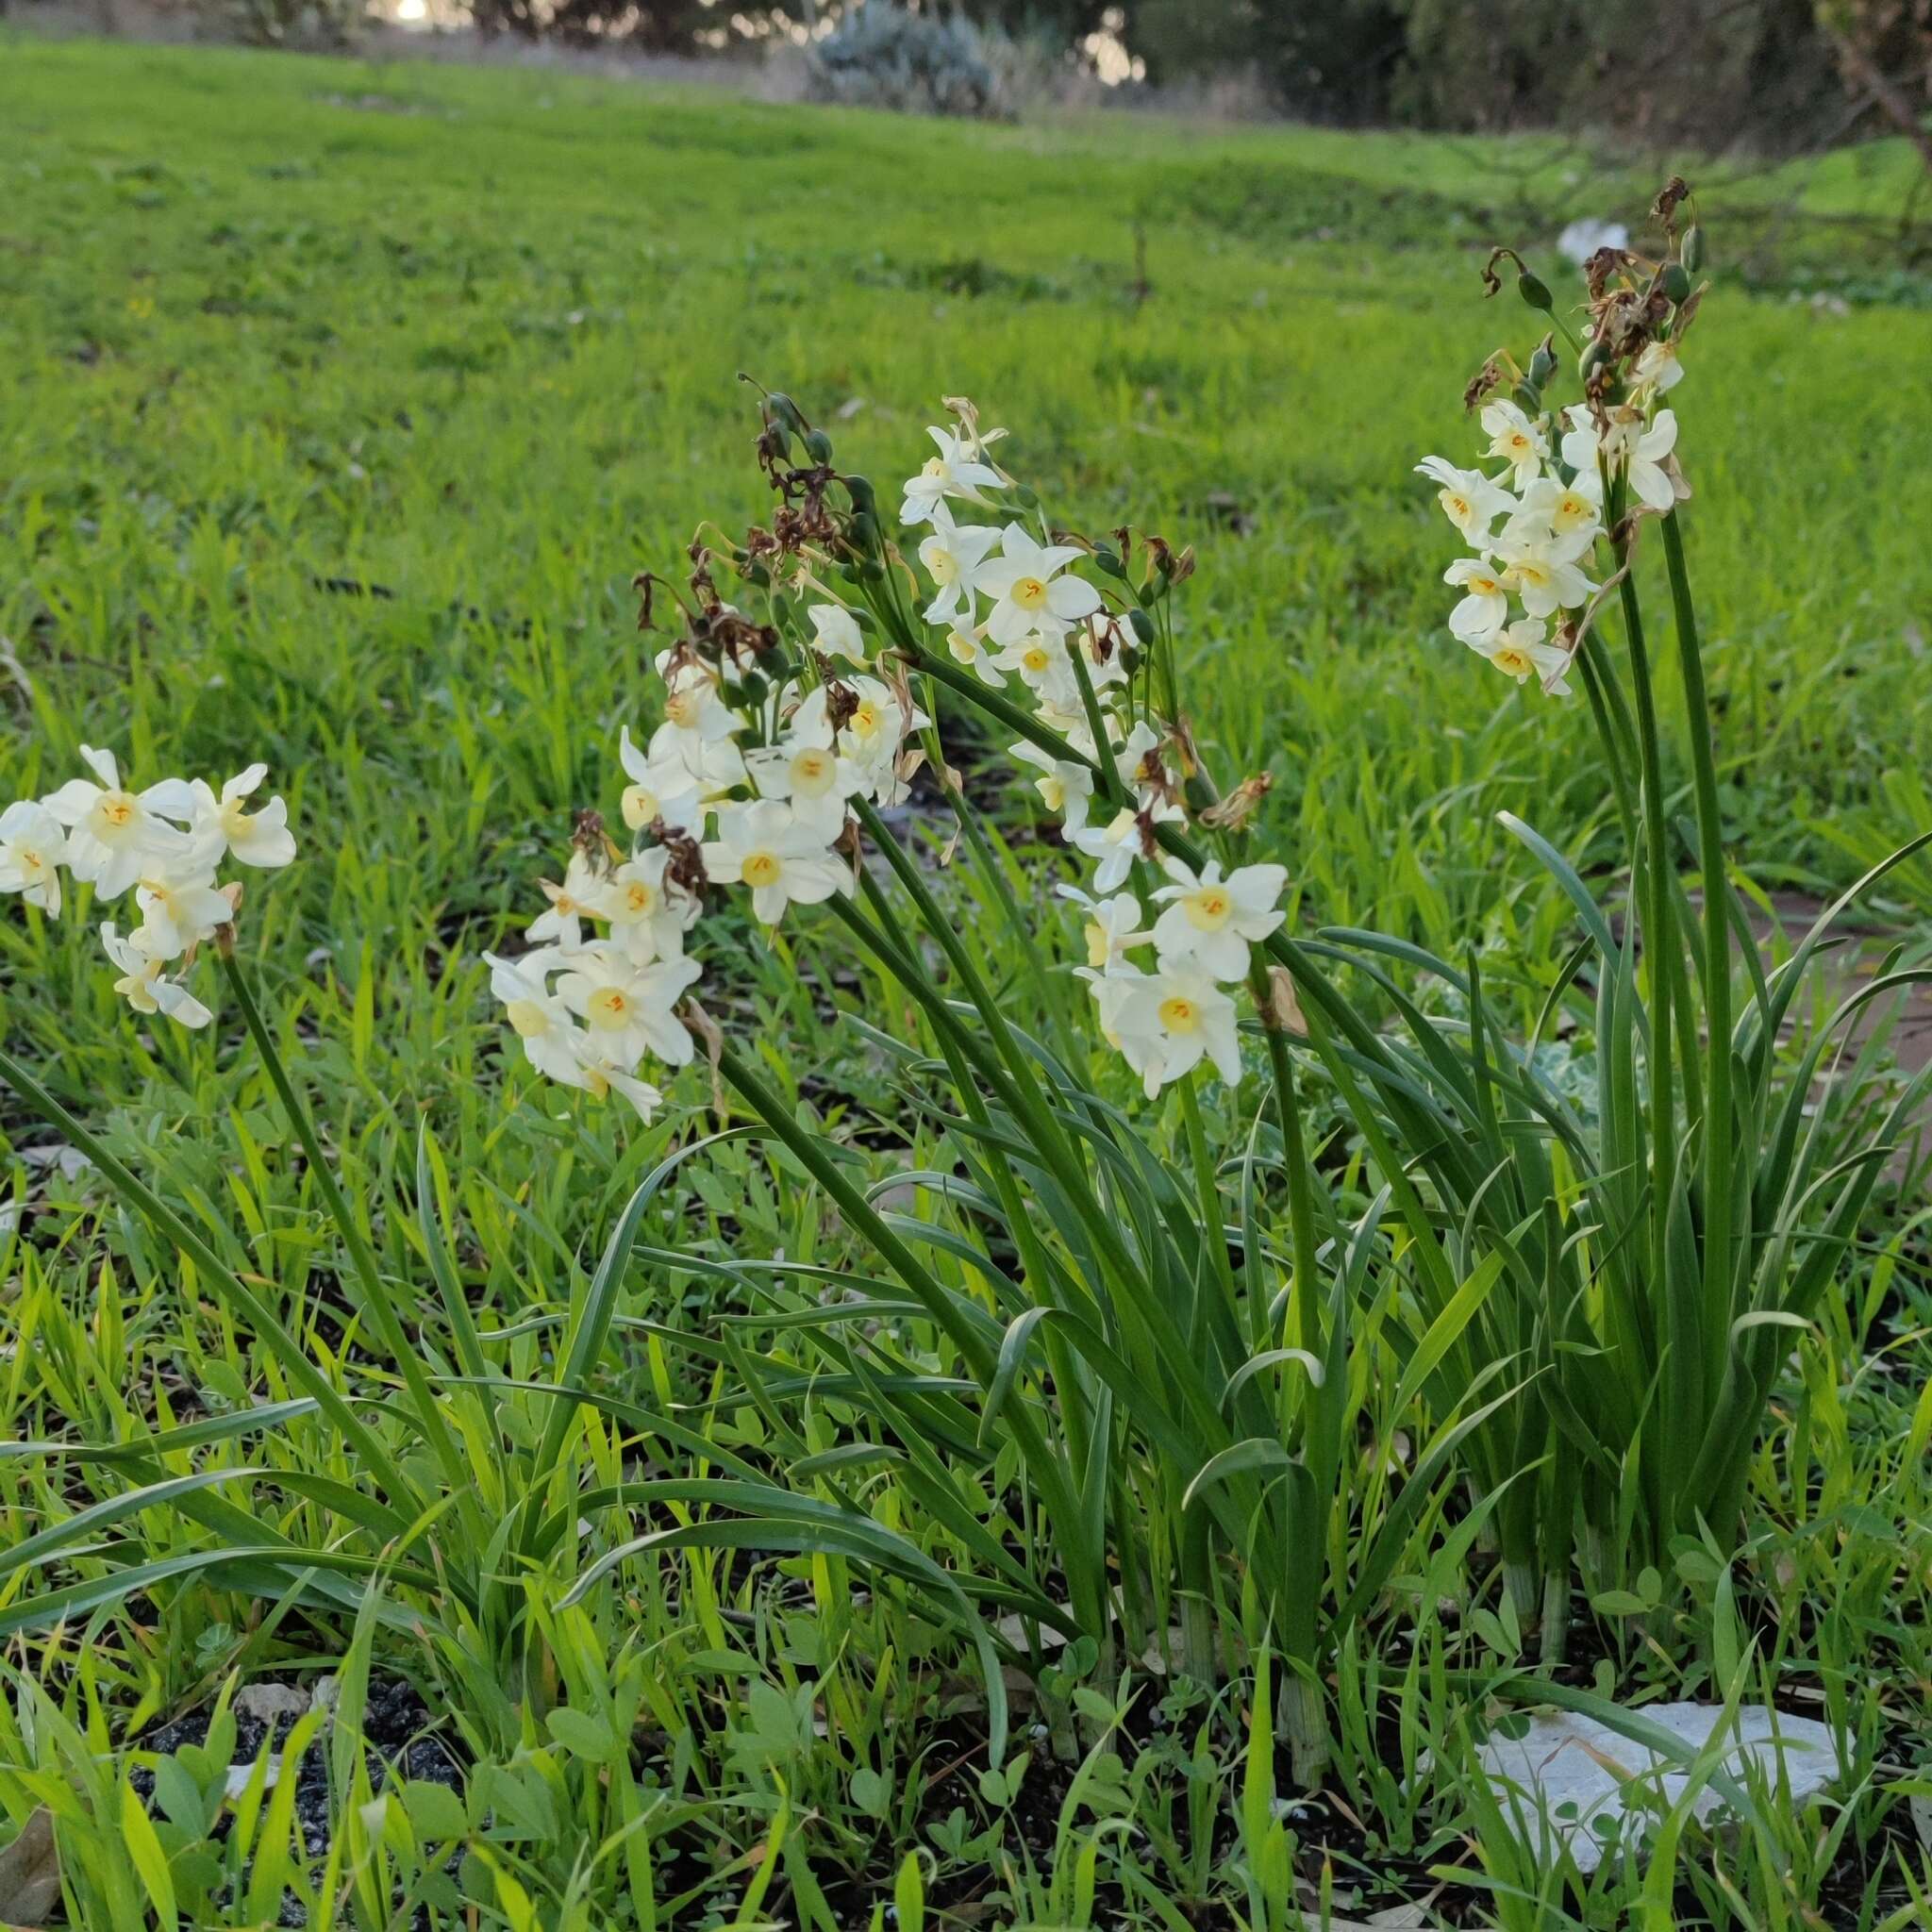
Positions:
(1044, 1131)
(970, 1344)
(1717, 948)
(1327, 1007)
(375, 1293)
(1305, 1310)
(1683, 1351)
(957, 1048)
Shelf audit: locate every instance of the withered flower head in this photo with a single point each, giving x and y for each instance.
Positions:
(590, 838)
(841, 699)
(1234, 811)
(644, 584)
(1481, 383)
(1601, 266)
(1673, 194)
(684, 863)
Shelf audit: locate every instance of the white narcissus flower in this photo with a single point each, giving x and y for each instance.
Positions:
(570, 904)
(1065, 788)
(626, 1009)
(809, 775)
(1044, 668)
(1653, 484)
(1468, 499)
(764, 847)
(955, 471)
(537, 1016)
(659, 788)
(1167, 1023)
(836, 632)
(1657, 369)
(143, 985)
(954, 555)
(871, 735)
(697, 721)
(1567, 517)
(33, 848)
(1209, 922)
(111, 832)
(968, 647)
(258, 839)
(1031, 593)
(1112, 928)
(601, 1078)
(1114, 846)
(181, 906)
(1625, 444)
(1070, 721)
(1485, 606)
(648, 916)
(1515, 439)
(1520, 652)
(1542, 576)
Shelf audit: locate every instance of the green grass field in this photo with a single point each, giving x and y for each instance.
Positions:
(339, 406)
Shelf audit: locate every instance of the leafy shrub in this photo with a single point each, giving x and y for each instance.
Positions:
(880, 55)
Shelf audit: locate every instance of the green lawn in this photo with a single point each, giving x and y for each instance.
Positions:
(340, 404)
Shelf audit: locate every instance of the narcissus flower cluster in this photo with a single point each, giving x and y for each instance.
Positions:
(779, 718)
(165, 842)
(766, 737)
(1534, 521)
(1163, 942)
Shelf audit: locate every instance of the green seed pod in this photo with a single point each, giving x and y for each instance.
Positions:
(1143, 625)
(756, 573)
(1595, 354)
(1027, 497)
(865, 531)
(786, 411)
(1542, 365)
(754, 687)
(818, 445)
(1692, 253)
(1532, 291)
(864, 497)
(870, 571)
(1109, 560)
(1528, 397)
(1676, 279)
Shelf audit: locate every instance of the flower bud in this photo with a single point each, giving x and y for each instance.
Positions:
(1533, 291)
(1674, 279)
(1692, 252)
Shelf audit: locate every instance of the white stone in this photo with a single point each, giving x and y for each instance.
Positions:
(1563, 1779)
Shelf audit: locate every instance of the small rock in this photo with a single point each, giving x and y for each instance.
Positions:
(267, 1702)
(1571, 1770)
